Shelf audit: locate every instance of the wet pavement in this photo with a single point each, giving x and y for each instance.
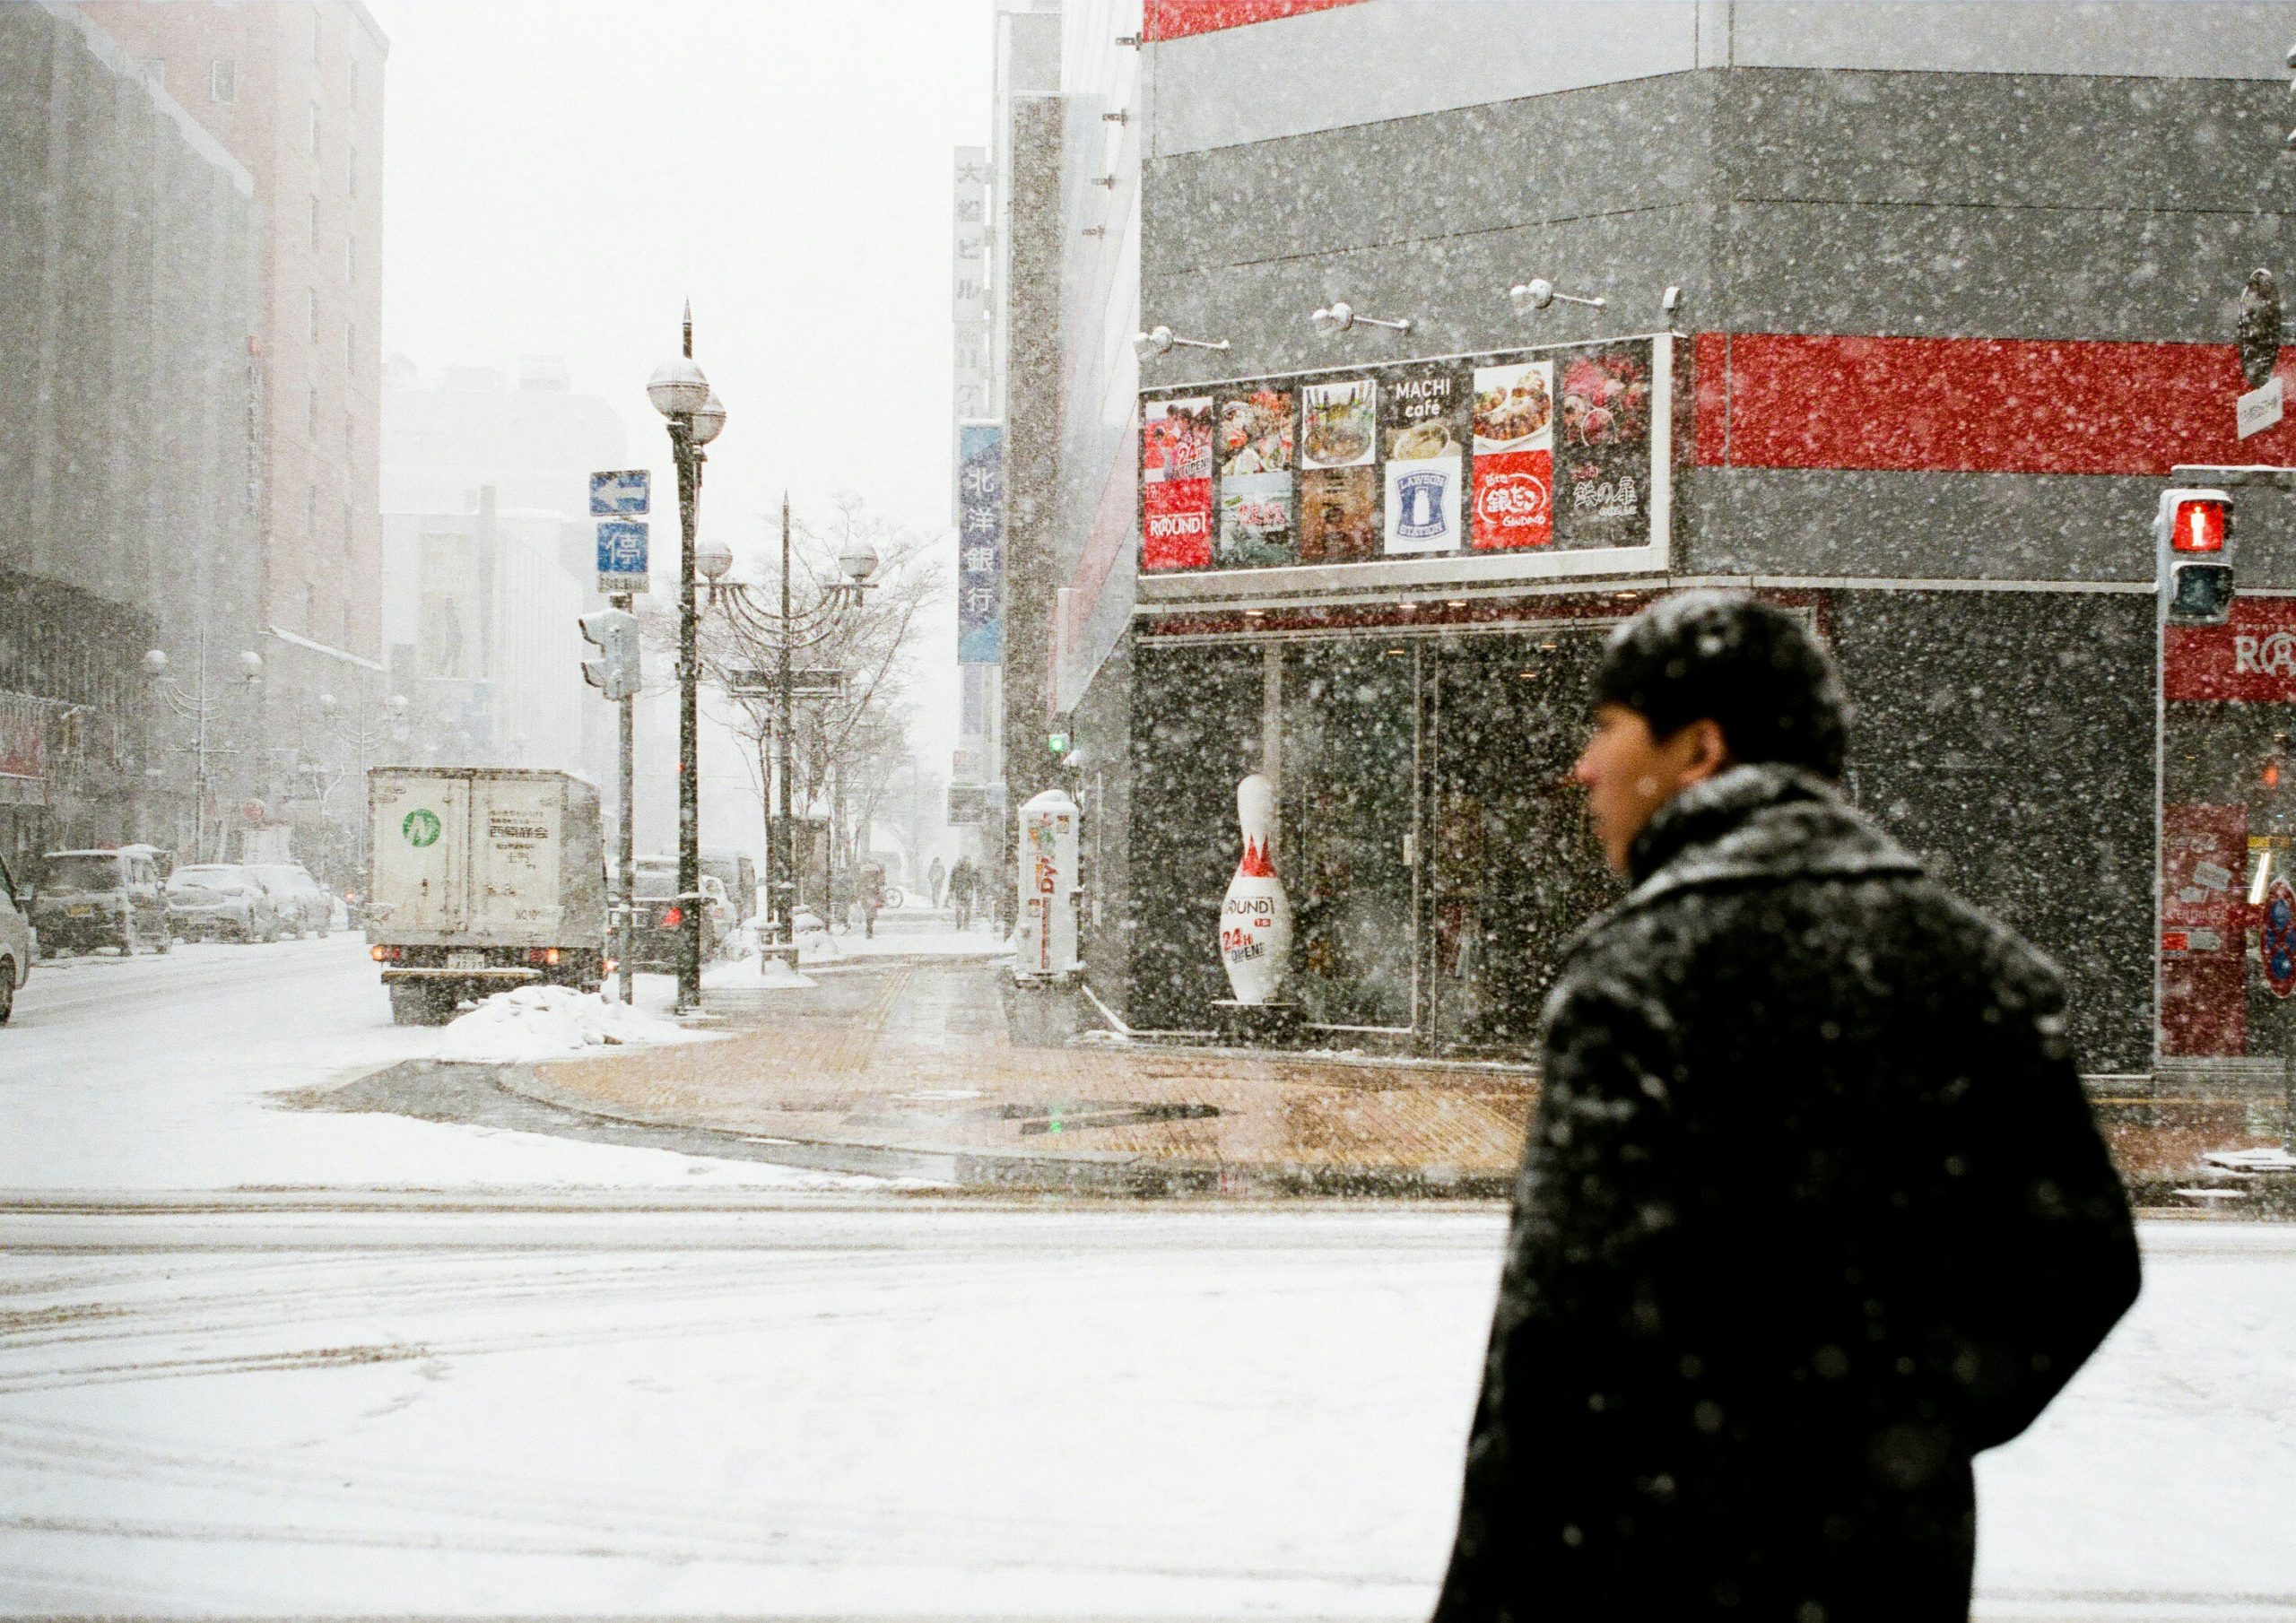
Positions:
(987, 1086)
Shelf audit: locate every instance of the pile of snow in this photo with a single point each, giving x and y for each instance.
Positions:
(770, 973)
(551, 1022)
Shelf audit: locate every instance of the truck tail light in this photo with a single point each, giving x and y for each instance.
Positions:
(543, 955)
(383, 955)
(671, 918)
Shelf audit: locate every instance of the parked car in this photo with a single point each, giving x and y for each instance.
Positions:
(304, 906)
(87, 899)
(216, 901)
(656, 934)
(15, 942)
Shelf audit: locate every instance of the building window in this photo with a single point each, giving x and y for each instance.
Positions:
(223, 80)
(350, 534)
(315, 225)
(349, 346)
(311, 511)
(350, 172)
(314, 129)
(318, 32)
(315, 315)
(351, 259)
(315, 410)
(311, 608)
(355, 82)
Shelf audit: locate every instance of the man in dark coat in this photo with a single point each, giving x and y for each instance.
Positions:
(1813, 1209)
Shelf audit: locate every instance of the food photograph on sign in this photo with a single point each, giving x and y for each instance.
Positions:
(1176, 440)
(1255, 522)
(1513, 456)
(1422, 429)
(1256, 432)
(1339, 515)
(1341, 430)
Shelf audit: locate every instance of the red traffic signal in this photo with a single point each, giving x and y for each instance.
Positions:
(672, 918)
(2198, 523)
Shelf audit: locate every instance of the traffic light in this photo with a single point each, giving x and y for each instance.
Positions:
(616, 670)
(2192, 534)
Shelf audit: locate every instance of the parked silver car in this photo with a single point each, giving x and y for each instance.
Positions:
(100, 898)
(214, 901)
(15, 942)
(304, 904)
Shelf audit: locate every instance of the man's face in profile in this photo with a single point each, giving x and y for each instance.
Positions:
(1629, 774)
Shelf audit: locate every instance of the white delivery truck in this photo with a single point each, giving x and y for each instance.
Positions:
(480, 879)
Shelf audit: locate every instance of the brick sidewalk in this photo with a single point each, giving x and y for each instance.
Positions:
(918, 1057)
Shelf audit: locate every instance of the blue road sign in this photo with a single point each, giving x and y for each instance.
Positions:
(622, 555)
(620, 495)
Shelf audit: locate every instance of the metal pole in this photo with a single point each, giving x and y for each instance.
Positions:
(199, 761)
(785, 839)
(625, 946)
(689, 787)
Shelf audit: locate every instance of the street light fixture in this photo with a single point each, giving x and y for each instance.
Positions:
(1339, 316)
(199, 708)
(787, 632)
(680, 392)
(1162, 340)
(1538, 294)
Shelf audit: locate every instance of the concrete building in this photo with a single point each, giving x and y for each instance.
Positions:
(130, 292)
(1955, 290)
(294, 92)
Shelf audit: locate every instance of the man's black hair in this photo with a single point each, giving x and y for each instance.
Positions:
(1748, 666)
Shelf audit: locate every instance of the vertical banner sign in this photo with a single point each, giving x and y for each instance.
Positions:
(621, 556)
(2204, 967)
(1603, 449)
(980, 544)
(1513, 456)
(1176, 484)
(1254, 452)
(1422, 436)
(969, 284)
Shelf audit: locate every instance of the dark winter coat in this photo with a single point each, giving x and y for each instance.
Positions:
(1813, 1209)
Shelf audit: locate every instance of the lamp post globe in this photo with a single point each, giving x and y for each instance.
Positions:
(155, 662)
(327, 705)
(678, 386)
(858, 561)
(709, 419)
(713, 557)
(251, 665)
(396, 704)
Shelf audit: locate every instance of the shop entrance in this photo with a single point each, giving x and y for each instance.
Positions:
(1438, 857)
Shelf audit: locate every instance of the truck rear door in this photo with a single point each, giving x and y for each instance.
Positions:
(516, 831)
(421, 842)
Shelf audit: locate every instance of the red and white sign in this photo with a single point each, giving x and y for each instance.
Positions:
(2250, 658)
(1176, 531)
(1514, 501)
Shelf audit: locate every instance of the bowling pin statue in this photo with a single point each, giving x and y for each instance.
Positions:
(1256, 915)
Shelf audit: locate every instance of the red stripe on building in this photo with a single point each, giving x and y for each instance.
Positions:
(1983, 405)
(1178, 18)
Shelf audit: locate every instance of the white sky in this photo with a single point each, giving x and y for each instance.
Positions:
(560, 175)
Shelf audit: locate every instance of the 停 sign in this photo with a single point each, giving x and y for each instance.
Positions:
(625, 494)
(621, 556)
(980, 544)
(1560, 455)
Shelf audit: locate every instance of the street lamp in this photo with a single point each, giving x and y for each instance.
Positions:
(1339, 316)
(200, 708)
(680, 393)
(1162, 340)
(786, 632)
(1538, 294)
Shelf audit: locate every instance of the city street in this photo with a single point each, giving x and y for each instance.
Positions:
(267, 1358)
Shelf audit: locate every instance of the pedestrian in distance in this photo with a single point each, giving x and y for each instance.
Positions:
(935, 876)
(962, 880)
(1812, 1209)
(872, 896)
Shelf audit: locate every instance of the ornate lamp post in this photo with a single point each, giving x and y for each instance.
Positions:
(680, 393)
(197, 707)
(786, 633)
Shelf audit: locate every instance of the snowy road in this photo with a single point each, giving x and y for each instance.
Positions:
(850, 1408)
(168, 1072)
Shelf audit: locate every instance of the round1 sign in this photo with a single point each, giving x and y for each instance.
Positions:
(2277, 938)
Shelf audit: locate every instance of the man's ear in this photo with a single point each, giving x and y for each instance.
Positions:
(1709, 751)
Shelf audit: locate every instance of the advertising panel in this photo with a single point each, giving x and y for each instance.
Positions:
(1545, 453)
(1176, 484)
(980, 544)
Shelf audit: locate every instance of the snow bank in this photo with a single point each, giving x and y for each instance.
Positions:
(755, 974)
(550, 1022)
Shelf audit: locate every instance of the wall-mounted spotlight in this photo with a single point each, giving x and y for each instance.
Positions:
(1117, 116)
(1108, 181)
(1538, 293)
(1671, 301)
(1130, 42)
(1339, 316)
(1162, 340)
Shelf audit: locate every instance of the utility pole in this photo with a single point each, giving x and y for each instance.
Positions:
(616, 674)
(625, 946)
(785, 839)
